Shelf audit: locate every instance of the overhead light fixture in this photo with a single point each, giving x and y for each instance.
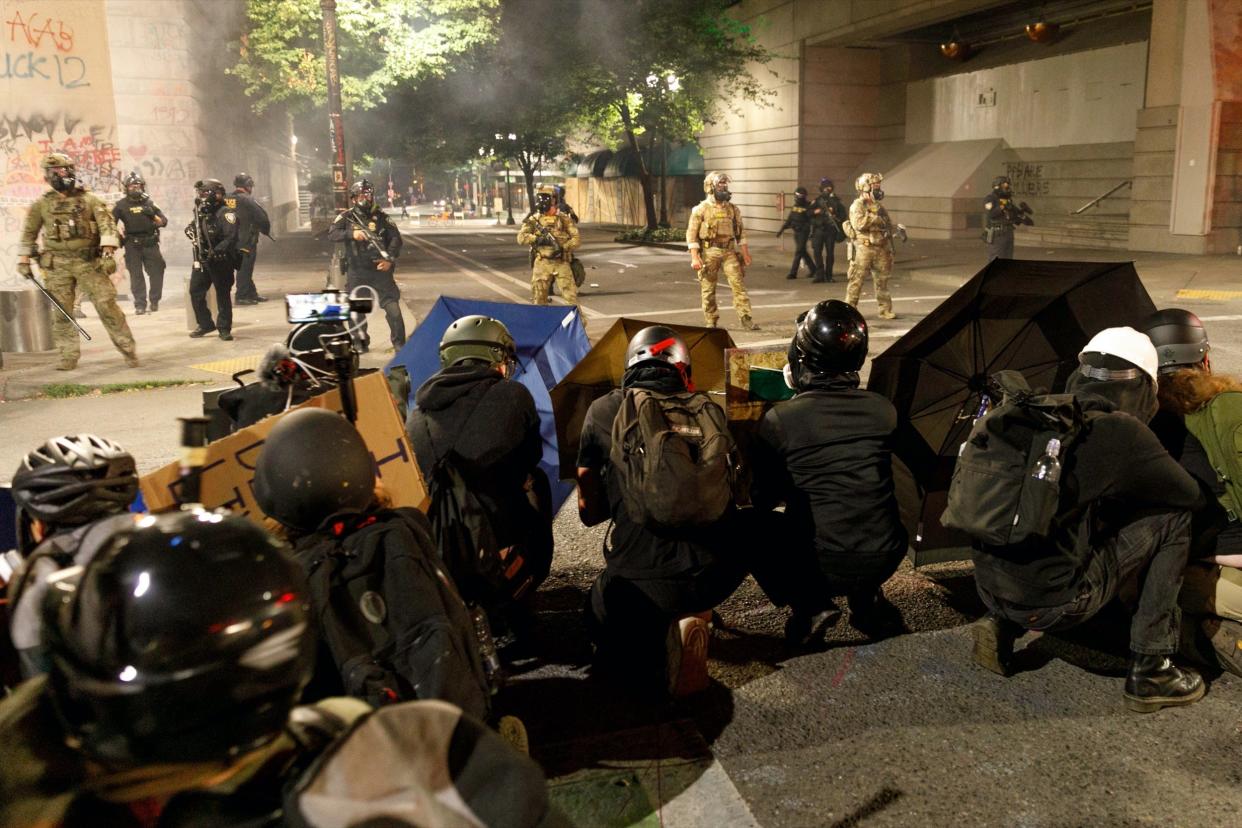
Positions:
(956, 50)
(1042, 32)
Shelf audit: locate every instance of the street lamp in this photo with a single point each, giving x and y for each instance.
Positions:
(508, 182)
(340, 193)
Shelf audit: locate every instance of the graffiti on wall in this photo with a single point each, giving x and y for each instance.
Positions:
(55, 96)
(1028, 179)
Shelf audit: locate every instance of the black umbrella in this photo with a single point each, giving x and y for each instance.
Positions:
(1032, 317)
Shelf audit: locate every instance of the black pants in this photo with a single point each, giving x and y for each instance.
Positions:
(823, 248)
(245, 275)
(1001, 246)
(800, 254)
(145, 254)
(1152, 550)
(385, 285)
(218, 275)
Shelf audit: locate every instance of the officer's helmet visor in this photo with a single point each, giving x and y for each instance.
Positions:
(60, 171)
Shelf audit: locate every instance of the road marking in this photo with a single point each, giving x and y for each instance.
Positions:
(623, 264)
(229, 367)
(1231, 318)
(478, 277)
(499, 274)
(777, 306)
(1193, 293)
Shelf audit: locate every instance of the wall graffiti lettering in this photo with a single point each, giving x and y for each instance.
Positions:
(38, 29)
(67, 70)
(1027, 179)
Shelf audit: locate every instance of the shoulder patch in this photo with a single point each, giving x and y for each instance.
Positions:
(230, 217)
(987, 205)
(231, 203)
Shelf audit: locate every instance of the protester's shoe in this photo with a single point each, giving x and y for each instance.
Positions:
(259, 298)
(201, 332)
(687, 655)
(66, 365)
(1155, 682)
(994, 639)
(805, 628)
(131, 360)
(226, 336)
(791, 276)
(140, 311)
(887, 314)
(748, 323)
(1226, 637)
(245, 301)
(871, 613)
(155, 305)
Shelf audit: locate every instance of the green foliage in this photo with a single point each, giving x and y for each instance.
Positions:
(65, 390)
(646, 234)
(381, 44)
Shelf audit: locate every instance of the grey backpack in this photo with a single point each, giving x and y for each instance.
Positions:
(672, 456)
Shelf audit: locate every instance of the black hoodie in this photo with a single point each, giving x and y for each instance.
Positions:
(1118, 468)
(490, 426)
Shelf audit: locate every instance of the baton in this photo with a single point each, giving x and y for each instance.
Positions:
(61, 308)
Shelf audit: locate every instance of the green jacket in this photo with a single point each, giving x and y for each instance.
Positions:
(79, 221)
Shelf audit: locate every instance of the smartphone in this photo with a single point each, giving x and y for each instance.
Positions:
(329, 306)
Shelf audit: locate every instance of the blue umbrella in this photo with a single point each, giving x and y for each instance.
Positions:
(550, 342)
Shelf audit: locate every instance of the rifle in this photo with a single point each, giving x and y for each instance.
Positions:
(371, 239)
(544, 236)
(196, 232)
(29, 274)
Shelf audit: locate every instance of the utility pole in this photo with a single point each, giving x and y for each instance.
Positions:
(340, 187)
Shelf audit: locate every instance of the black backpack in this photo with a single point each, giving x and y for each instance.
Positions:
(390, 616)
(993, 495)
(672, 456)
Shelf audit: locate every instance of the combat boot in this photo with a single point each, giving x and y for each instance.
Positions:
(871, 613)
(806, 627)
(994, 638)
(748, 324)
(131, 360)
(67, 365)
(1155, 682)
(154, 306)
(226, 335)
(887, 314)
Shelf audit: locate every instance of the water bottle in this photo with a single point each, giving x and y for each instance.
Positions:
(1048, 467)
(487, 647)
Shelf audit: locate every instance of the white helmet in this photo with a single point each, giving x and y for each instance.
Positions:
(1124, 343)
(866, 181)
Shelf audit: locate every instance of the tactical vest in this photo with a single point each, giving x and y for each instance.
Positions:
(556, 225)
(719, 224)
(68, 223)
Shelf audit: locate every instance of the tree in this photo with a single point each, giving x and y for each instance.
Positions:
(668, 70)
(382, 44)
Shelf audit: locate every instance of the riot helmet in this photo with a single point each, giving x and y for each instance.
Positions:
(134, 186)
(559, 191)
(187, 638)
(1179, 338)
(60, 172)
(717, 184)
(1119, 354)
(1001, 184)
(870, 183)
(210, 192)
(314, 465)
(243, 181)
(71, 481)
(478, 338)
(831, 338)
(826, 186)
(658, 343)
(362, 194)
(545, 199)
(800, 196)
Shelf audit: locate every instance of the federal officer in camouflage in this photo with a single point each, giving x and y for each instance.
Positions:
(870, 230)
(717, 241)
(79, 240)
(141, 219)
(553, 236)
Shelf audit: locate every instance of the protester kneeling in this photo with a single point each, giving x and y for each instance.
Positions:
(475, 433)
(826, 454)
(1117, 508)
(391, 622)
(1199, 413)
(176, 657)
(658, 459)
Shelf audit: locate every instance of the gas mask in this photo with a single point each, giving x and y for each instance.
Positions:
(825, 191)
(877, 194)
(134, 193)
(62, 179)
(364, 201)
(722, 193)
(800, 199)
(544, 202)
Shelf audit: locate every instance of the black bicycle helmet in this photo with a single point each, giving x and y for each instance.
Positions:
(186, 639)
(831, 339)
(1179, 337)
(657, 343)
(314, 464)
(75, 479)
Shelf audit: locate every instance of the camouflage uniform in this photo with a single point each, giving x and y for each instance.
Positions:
(716, 229)
(75, 226)
(547, 265)
(871, 231)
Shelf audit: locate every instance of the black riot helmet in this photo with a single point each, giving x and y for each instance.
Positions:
(210, 191)
(800, 195)
(1179, 337)
(187, 638)
(826, 186)
(1001, 184)
(831, 339)
(658, 343)
(134, 185)
(72, 480)
(243, 181)
(362, 194)
(314, 465)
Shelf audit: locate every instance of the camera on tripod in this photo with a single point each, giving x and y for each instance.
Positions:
(326, 306)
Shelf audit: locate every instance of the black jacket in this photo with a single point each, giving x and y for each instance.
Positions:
(827, 454)
(360, 255)
(799, 219)
(252, 219)
(820, 215)
(138, 217)
(220, 225)
(1116, 471)
(490, 428)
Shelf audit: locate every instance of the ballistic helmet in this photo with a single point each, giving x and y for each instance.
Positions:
(715, 180)
(657, 344)
(800, 192)
(831, 338)
(362, 187)
(866, 182)
(210, 190)
(1179, 339)
(186, 639)
(1000, 181)
(1118, 354)
(72, 480)
(826, 183)
(314, 465)
(243, 180)
(52, 165)
(477, 337)
(134, 178)
(545, 198)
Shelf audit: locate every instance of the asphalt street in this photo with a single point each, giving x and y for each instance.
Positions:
(904, 731)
